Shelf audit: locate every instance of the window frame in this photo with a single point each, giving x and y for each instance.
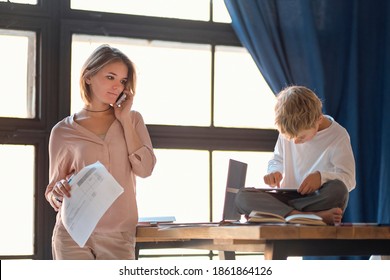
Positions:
(42, 8)
(35, 131)
(55, 23)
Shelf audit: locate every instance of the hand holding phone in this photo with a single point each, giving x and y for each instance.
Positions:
(120, 99)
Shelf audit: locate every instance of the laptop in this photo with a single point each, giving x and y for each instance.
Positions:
(235, 181)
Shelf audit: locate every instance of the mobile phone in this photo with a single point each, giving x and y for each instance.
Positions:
(120, 99)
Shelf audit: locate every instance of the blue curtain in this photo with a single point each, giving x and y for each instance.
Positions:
(341, 50)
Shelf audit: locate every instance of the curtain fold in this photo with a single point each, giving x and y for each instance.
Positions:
(340, 49)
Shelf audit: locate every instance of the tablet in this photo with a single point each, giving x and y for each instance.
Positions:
(265, 189)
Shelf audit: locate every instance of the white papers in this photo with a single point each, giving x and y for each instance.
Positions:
(157, 219)
(93, 191)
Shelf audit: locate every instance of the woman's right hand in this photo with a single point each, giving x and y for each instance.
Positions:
(273, 179)
(60, 189)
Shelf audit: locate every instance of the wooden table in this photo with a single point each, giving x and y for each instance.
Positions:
(276, 241)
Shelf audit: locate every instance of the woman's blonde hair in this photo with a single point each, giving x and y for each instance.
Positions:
(297, 108)
(101, 57)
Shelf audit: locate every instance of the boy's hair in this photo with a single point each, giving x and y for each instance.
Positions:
(297, 108)
(103, 55)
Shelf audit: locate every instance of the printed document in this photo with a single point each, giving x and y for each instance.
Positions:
(93, 192)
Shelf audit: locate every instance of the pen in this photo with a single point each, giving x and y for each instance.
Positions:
(70, 178)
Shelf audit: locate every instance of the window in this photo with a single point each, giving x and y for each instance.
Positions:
(188, 9)
(220, 13)
(177, 177)
(17, 74)
(201, 95)
(17, 229)
(24, 122)
(173, 84)
(179, 186)
(242, 97)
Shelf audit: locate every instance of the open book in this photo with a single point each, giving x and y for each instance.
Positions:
(266, 217)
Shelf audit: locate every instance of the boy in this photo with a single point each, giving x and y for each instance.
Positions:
(312, 154)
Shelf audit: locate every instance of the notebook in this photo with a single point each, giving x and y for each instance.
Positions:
(235, 180)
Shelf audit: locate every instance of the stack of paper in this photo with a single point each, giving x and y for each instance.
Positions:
(93, 192)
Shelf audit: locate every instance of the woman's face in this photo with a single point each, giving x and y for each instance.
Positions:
(108, 83)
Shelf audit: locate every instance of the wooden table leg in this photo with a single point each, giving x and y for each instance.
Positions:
(273, 251)
(227, 255)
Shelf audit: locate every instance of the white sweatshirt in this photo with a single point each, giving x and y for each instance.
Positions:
(329, 152)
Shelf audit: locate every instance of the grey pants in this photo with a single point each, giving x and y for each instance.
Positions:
(331, 194)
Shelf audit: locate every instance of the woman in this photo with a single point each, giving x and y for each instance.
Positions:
(115, 136)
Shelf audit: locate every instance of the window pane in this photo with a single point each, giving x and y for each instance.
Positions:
(17, 229)
(178, 187)
(188, 9)
(220, 12)
(257, 168)
(174, 83)
(17, 74)
(242, 97)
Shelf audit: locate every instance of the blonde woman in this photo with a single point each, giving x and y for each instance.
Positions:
(114, 135)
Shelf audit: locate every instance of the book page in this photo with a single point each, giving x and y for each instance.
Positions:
(258, 216)
(93, 192)
(305, 219)
(303, 216)
(255, 213)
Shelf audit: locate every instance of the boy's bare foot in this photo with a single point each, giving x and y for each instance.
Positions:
(331, 216)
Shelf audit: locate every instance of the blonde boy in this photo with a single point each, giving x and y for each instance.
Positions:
(312, 154)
